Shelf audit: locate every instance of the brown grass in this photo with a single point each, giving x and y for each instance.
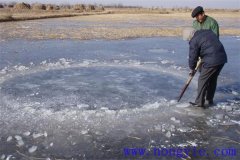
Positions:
(103, 25)
(22, 15)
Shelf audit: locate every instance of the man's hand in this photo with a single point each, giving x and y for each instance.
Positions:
(191, 73)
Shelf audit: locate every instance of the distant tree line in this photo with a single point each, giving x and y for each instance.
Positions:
(40, 6)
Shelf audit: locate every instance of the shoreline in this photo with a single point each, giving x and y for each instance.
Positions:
(111, 26)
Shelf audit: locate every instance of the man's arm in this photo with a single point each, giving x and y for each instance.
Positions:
(215, 28)
(194, 52)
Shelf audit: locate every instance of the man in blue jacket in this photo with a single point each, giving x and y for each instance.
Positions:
(206, 45)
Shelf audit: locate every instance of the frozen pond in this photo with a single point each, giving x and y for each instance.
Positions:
(91, 99)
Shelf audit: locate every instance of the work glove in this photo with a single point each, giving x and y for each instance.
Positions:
(191, 73)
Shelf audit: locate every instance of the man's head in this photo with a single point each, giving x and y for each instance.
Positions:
(198, 12)
(188, 33)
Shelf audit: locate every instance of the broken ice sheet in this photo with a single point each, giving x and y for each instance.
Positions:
(32, 149)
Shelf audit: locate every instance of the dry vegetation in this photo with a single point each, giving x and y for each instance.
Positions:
(105, 22)
(24, 11)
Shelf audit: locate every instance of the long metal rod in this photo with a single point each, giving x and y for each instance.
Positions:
(189, 80)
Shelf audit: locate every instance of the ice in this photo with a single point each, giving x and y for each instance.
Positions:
(3, 156)
(108, 99)
(219, 116)
(192, 143)
(175, 120)
(9, 157)
(20, 68)
(84, 131)
(80, 106)
(182, 105)
(237, 122)
(168, 134)
(160, 50)
(9, 139)
(20, 142)
(32, 149)
(18, 138)
(37, 135)
(228, 108)
(158, 127)
(235, 93)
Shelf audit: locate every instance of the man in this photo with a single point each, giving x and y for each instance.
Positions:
(206, 45)
(203, 21)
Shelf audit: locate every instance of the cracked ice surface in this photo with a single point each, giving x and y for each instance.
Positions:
(90, 99)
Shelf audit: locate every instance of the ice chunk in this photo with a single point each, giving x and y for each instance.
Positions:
(9, 157)
(9, 138)
(237, 122)
(18, 138)
(80, 106)
(172, 128)
(182, 105)
(168, 134)
(185, 129)
(235, 93)
(172, 102)
(32, 149)
(37, 135)
(84, 131)
(20, 143)
(51, 144)
(219, 116)
(228, 108)
(175, 120)
(158, 127)
(27, 133)
(194, 144)
(45, 134)
(3, 156)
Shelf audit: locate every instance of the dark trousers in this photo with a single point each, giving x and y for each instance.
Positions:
(207, 83)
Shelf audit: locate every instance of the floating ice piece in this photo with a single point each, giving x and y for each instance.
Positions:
(80, 106)
(9, 157)
(18, 138)
(9, 138)
(37, 135)
(32, 149)
(3, 156)
(183, 145)
(168, 134)
(165, 62)
(84, 131)
(20, 68)
(194, 144)
(3, 71)
(172, 102)
(237, 122)
(20, 143)
(45, 134)
(172, 128)
(158, 127)
(64, 62)
(228, 108)
(27, 133)
(182, 105)
(151, 105)
(51, 144)
(235, 93)
(175, 120)
(219, 116)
